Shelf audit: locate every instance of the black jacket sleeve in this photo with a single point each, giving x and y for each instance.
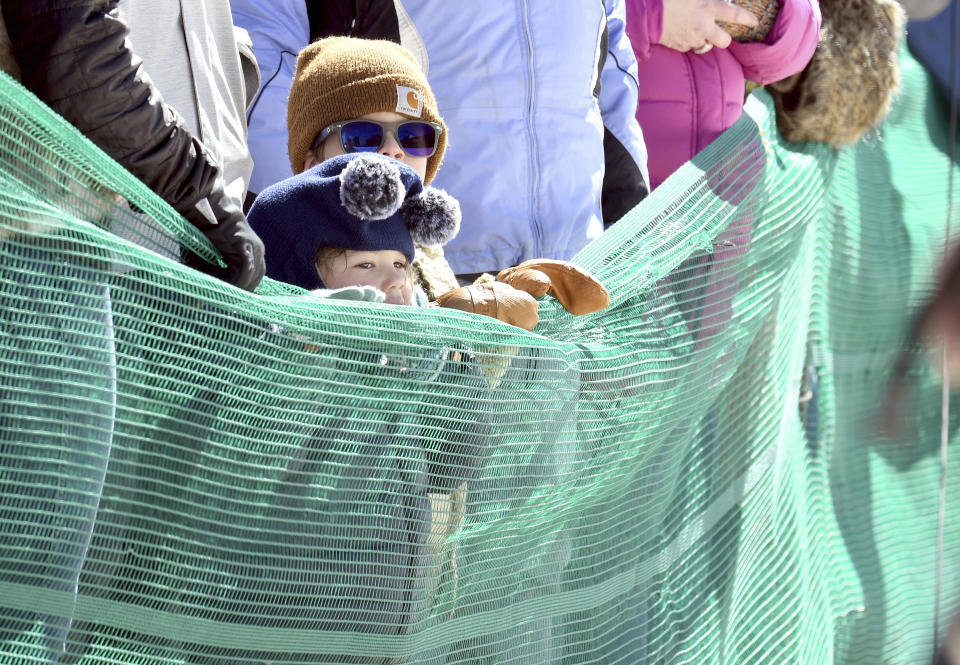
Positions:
(623, 184)
(74, 56)
(370, 19)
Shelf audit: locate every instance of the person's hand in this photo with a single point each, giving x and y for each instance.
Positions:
(357, 293)
(690, 25)
(222, 221)
(512, 297)
(574, 287)
(495, 299)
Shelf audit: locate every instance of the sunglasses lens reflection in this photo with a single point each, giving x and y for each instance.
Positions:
(361, 136)
(417, 138)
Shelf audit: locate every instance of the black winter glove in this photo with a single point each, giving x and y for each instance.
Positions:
(222, 221)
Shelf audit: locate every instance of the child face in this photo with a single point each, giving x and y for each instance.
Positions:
(385, 269)
(331, 146)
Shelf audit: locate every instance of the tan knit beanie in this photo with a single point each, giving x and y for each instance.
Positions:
(340, 78)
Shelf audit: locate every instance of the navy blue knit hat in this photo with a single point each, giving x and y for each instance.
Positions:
(358, 201)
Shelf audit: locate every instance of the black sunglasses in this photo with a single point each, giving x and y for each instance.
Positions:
(417, 138)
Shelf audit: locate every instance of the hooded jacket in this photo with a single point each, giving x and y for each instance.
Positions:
(539, 97)
(687, 100)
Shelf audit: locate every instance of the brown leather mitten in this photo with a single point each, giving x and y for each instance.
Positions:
(496, 299)
(577, 290)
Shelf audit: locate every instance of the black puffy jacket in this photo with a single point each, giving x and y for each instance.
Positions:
(73, 55)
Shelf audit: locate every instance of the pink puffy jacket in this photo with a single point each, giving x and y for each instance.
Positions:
(687, 100)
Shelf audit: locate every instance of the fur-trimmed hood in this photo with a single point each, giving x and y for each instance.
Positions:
(848, 86)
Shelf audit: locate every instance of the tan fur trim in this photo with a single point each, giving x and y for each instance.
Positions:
(432, 272)
(848, 87)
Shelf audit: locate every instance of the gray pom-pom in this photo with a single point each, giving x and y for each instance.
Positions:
(371, 188)
(433, 217)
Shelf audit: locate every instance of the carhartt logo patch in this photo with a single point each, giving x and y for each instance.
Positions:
(408, 101)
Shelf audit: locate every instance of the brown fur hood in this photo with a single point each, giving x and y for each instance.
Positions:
(850, 82)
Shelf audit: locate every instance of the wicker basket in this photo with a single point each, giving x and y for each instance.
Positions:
(766, 13)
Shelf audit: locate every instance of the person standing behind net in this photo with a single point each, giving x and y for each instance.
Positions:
(180, 139)
(541, 97)
(364, 95)
(692, 85)
(57, 425)
(692, 88)
(692, 74)
(351, 220)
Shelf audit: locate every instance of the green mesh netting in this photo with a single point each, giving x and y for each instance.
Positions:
(194, 474)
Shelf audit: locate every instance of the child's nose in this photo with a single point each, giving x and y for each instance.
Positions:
(393, 289)
(392, 279)
(390, 147)
(393, 282)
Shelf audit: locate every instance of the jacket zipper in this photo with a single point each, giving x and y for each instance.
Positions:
(534, 171)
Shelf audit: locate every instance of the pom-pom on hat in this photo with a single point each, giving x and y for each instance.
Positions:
(359, 201)
(342, 78)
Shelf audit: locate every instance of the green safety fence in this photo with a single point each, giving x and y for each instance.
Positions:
(190, 473)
